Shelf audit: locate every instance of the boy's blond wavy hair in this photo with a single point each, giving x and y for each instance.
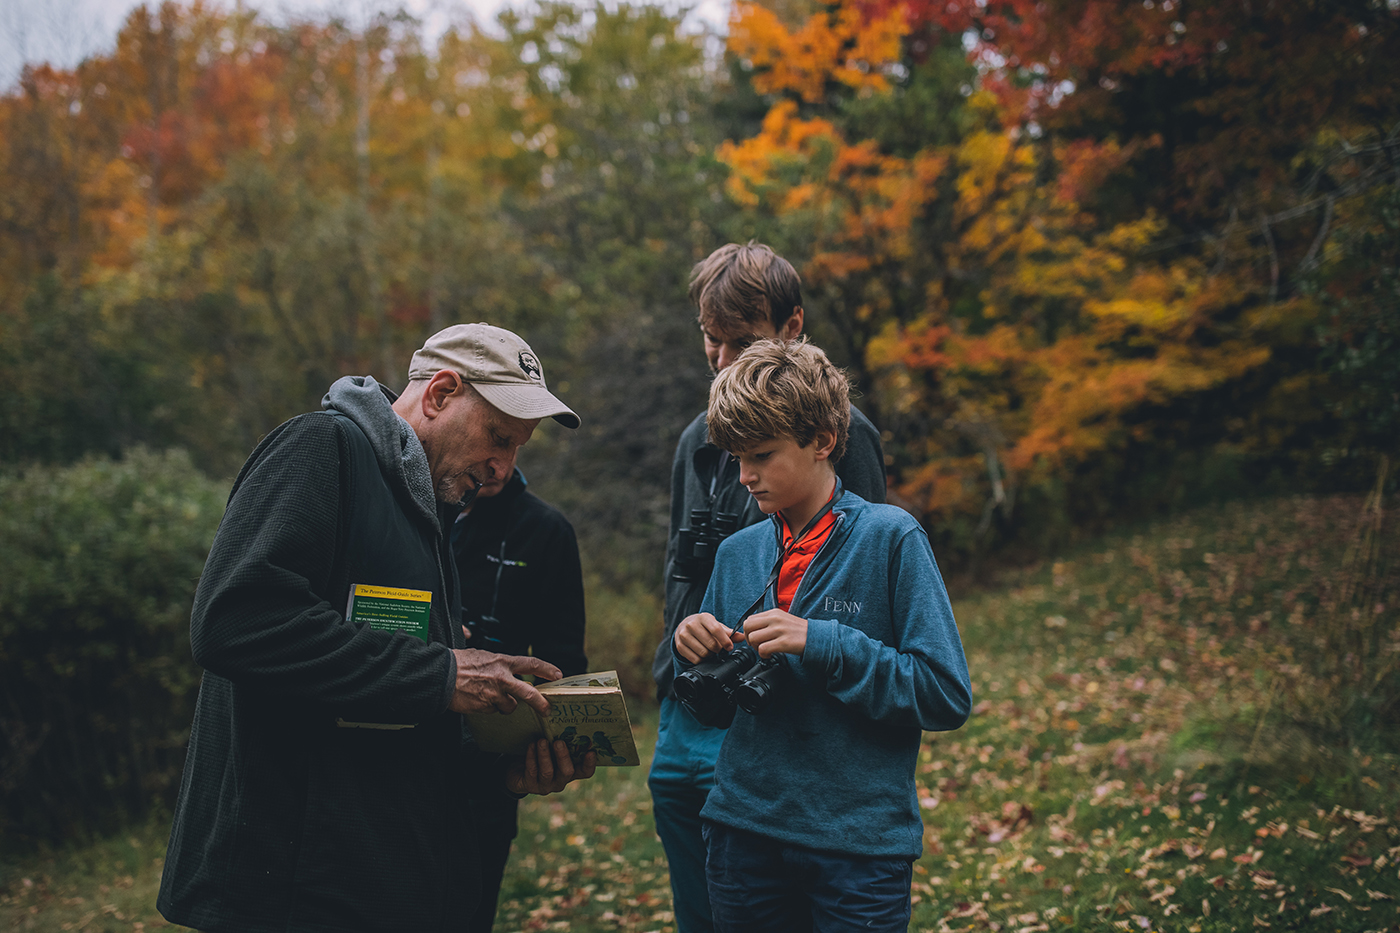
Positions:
(779, 388)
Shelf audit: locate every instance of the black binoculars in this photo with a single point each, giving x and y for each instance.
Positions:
(714, 688)
(697, 543)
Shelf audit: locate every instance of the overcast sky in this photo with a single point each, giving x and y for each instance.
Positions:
(67, 31)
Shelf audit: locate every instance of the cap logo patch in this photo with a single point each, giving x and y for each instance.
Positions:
(530, 365)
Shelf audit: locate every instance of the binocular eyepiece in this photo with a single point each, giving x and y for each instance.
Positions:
(738, 679)
(697, 543)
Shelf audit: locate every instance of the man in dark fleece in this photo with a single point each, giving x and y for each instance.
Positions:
(323, 787)
(522, 593)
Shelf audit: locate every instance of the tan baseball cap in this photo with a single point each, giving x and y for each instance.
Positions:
(498, 364)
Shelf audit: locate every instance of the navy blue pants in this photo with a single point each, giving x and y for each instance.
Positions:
(762, 885)
(676, 808)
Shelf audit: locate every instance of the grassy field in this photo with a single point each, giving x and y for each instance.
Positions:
(1182, 727)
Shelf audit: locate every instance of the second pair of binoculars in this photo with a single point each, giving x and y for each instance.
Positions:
(697, 543)
(737, 679)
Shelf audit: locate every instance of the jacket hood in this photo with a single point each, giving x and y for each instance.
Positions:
(396, 447)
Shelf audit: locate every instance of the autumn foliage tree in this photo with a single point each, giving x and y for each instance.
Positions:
(222, 215)
(1083, 291)
(204, 226)
(1085, 258)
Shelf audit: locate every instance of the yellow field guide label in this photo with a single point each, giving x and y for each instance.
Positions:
(391, 609)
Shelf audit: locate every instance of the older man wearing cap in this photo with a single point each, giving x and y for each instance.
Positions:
(323, 787)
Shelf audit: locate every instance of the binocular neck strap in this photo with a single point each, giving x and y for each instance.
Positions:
(783, 552)
(806, 529)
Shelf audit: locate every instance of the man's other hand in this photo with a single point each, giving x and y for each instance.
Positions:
(488, 681)
(547, 770)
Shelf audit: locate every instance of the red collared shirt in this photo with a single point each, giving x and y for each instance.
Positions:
(800, 558)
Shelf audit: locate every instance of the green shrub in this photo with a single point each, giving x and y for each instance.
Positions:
(97, 685)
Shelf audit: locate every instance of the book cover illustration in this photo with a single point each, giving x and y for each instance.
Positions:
(587, 711)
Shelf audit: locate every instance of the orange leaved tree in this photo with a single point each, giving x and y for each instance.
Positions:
(1073, 281)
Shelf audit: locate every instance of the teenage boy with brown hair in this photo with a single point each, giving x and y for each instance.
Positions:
(813, 822)
(743, 293)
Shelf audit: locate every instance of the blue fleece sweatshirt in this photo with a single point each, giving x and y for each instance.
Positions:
(830, 764)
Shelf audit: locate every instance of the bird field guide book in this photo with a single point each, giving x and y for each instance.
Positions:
(587, 711)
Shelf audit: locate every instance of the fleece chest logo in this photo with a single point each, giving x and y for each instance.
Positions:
(832, 604)
(530, 365)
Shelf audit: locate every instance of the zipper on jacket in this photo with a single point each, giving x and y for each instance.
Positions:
(496, 587)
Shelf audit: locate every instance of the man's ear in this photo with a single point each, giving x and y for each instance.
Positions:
(443, 386)
(825, 443)
(793, 326)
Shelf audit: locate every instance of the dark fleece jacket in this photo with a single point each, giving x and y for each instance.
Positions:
(286, 819)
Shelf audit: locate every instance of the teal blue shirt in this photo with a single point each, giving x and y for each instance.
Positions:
(830, 764)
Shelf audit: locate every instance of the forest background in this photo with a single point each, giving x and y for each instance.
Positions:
(1087, 261)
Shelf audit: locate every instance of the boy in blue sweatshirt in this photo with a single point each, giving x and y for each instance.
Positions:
(813, 822)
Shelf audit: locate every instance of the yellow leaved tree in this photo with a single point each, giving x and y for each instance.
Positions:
(1036, 331)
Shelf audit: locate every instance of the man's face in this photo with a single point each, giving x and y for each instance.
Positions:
(723, 347)
(473, 442)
